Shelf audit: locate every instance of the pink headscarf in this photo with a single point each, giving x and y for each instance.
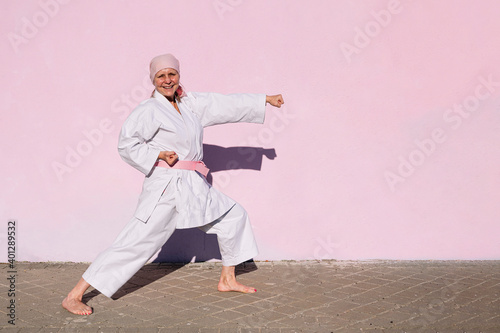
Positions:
(165, 61)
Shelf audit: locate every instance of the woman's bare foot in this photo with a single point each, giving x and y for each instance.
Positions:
(228, 282)
(73, 302)
(76, 306)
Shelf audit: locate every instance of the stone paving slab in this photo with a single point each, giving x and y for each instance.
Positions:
(310, 296)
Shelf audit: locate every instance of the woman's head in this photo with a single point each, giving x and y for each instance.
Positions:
(164, 71)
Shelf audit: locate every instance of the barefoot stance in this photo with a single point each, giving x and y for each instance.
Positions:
(77, 307)
(235, 286)
(227, 281)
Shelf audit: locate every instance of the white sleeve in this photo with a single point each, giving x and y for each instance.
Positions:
(134, 141)
(214, 109)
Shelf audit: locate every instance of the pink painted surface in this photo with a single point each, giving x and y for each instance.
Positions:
(388, 146)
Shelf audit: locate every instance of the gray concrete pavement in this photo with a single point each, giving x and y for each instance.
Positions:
(326, 296)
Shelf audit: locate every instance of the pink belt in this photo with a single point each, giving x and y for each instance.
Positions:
(185, 165)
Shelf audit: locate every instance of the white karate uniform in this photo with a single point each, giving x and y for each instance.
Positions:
(176, 198)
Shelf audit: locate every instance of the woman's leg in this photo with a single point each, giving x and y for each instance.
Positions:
(133, 247)
(236, 243)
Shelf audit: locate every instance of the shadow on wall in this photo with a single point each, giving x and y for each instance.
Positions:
(234, 158)
(186, 245)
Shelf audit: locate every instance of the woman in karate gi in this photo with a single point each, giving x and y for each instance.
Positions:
(163, 138)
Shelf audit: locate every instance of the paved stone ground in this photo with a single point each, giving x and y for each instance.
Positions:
(326, 296)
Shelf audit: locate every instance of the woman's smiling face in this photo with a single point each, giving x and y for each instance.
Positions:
(166, 82)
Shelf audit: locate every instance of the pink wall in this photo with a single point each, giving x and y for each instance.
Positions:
(388, 145)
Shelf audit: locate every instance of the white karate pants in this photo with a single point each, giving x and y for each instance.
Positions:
(139, 241)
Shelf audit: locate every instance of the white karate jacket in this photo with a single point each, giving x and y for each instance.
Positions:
(155, 125)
